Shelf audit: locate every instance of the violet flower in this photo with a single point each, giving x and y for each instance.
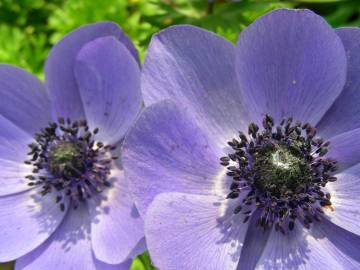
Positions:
(238, 168)
(68, 206)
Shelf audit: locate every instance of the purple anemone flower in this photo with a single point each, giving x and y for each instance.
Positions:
(64, 202)
(249, 157)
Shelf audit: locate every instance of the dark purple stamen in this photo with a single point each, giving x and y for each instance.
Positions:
(283, 170)
(67, 160)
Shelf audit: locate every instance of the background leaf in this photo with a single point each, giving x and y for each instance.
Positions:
(142, 262)
(7, 266)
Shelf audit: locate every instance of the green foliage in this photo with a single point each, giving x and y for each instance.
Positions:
(7, 266)
(128, 14)
(227, 19)
(339, 13)
(142, 262)
(25, 33)
(29, 28)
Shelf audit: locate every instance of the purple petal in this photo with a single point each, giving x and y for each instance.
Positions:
(68, 248)
(27, 219)
(109, 83)
(341, 244)
(186, 231)
(345, 199)
(297, 249)
(13, 152)
(116, 227)
(24, 109)
(23, 99)
(59, 68)
(140, 248)
(195, 68)
(290, 63)
(345, 148)
(103, 266)
(344, 114)
(254, 244)
(165, 151)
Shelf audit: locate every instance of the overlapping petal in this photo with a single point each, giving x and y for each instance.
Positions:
(296, 250)
(345, 199)
(108, 78)
(340, 243)
(68, 248)
(59, 68)
(193, 232)
(27, 219)
(195, 68)
(24, 108)
(13, 152)
(254, 244)
(290, 63)
(116, 226)
(345, 149)
(23, 99)
(344, 114)
(166, 151)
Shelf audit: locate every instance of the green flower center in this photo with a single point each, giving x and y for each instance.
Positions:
(279, 171)
(281, 168)
(66, 159)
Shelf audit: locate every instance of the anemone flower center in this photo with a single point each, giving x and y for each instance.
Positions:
(280, 166)
(280, 171)
(67, 160)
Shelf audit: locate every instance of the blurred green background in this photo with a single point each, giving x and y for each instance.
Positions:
(28, 28)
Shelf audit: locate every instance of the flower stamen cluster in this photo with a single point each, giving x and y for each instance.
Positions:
(283, 171)
(66, 159)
